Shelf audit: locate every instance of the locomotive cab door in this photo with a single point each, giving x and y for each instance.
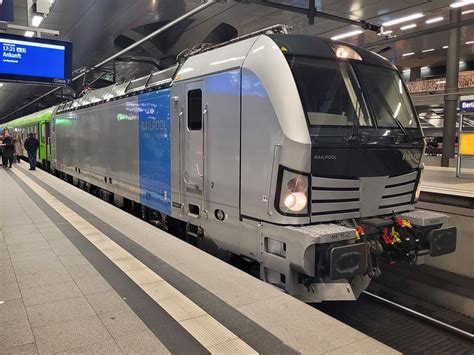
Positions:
(193, 135)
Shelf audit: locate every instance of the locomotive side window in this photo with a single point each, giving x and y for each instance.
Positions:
(195, 110)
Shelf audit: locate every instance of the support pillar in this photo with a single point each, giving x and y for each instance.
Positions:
(415, 73)
(452, 78)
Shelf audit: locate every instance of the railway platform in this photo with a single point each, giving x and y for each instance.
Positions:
(443, 181)
(78, 275)
(442, 191)
(446, 280)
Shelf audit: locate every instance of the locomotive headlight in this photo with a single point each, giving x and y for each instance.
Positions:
(296, 201)
(345, 52)
(293, 195)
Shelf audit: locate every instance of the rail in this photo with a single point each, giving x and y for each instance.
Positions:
(417, 314)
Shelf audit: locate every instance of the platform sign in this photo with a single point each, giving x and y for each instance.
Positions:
(35, 60)
(466, 103)
(6, 11)
(466, 143)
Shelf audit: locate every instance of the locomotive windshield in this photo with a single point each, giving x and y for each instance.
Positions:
(388, 97)
(341, 95)
(330, 92)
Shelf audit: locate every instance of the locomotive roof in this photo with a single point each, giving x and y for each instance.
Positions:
(319, 47)
(40, 116)
(295, 44)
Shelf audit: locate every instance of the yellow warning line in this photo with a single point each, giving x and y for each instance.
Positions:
(216, 338)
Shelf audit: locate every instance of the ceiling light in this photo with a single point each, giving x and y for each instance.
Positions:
(436, 19)
(461, 62)
(424, 68)
(444, 47)
(29, 34)
(407, 54)
(462, 3)
(467, 12)
(427, 50)
(1, 84)
(469, 42)
(36, 20)
(407, 27)
(441, 82)
(384, 33)
(402, 19)
(347, 34)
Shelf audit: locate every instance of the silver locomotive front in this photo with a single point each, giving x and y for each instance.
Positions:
(331, 164)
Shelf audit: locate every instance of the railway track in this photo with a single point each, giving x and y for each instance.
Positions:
(405, 323)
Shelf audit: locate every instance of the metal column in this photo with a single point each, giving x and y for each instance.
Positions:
(415, 73)
(451, 101)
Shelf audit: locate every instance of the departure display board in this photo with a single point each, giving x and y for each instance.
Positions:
(35, 60)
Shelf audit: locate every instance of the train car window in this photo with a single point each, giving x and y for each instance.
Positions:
(195, 110)
(43, 133)
(329, 92)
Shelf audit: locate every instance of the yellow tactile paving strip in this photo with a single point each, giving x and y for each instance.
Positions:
(216, 338)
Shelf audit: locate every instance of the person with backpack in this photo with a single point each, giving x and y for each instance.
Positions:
(18, 148)
(31, 146)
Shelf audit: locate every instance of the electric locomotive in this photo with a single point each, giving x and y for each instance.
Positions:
(297, 153)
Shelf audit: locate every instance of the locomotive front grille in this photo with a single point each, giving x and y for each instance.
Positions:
(336, 199)
(399, 190)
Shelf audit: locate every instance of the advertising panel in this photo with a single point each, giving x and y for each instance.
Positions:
(155, 150)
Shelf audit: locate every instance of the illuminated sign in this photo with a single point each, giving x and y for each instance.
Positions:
(35, 60)
(466, 104)
(6, 10)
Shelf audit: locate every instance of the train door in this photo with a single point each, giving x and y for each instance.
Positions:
(52, 143)
(193, 135)
(47, 132)
(43, 143)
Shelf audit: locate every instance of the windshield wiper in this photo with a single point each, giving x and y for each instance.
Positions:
(354, 133)
(392, 114)
(355, 126)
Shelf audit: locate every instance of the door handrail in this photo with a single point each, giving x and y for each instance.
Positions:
(205, 116)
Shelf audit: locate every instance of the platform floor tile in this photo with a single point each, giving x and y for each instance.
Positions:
(191, 317)
(75, 286)
(51, 298)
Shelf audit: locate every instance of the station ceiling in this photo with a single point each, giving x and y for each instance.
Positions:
(99, 28)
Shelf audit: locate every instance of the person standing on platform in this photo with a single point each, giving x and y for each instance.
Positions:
(18, 148)
(2, 146)
(31, 146)
(8, 149)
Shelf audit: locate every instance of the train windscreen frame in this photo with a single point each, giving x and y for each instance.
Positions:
(35, 60)
(330, 93)
(388, 97)
(333, 81)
